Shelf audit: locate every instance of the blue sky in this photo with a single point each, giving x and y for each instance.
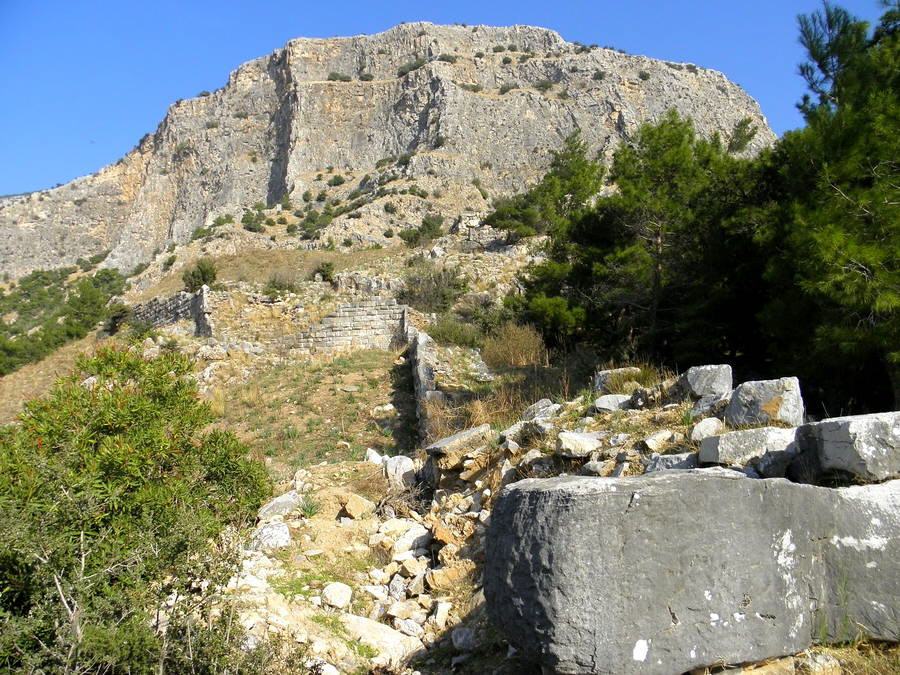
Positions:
(81, 81)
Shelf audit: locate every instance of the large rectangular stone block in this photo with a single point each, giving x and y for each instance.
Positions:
(671, 571)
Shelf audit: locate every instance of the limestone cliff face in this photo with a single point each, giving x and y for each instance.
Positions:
(279, 121)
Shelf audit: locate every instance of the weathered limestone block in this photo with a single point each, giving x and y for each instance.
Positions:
(671, 571)
(577, 444)
(765, 402)
(769, 450)
(681, 460)
(610, 402)
(702, 382)
(280, 505)
(448, 452)
(865, 445)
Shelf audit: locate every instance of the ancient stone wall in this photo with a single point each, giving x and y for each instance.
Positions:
(179, 307)
(378, 323)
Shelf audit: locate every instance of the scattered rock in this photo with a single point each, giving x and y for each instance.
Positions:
(705, 382)
(449, 452)
(680, 461)
(867, 446)
(337, 595)
(711, 426)
(540, 410)
(393, 647)
(280, 506)
(764, 402)
(400, 472)
(372, 456)
(355, 506)
(768, 450)
(611, 402)
(576, 444)
(271, 536)
(463, 639)
(659, 440)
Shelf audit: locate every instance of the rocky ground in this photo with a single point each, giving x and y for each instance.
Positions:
(372, 556)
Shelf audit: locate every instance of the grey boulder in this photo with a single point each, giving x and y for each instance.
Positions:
(768, 450)
(282, 505)
(867, 446)
(764, 402)
(702, 382)
(681, 461)
(678, 570)
(611, 402)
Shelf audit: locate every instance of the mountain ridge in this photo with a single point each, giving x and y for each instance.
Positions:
(485, 104)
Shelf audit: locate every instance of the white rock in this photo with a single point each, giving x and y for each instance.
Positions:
(400, 472)
(271, 536)
(280, 506)
(417, 536)
(711, 426)
(372, 456)
(441, 613)
(578, 444)
(393, 647)
(337, 594)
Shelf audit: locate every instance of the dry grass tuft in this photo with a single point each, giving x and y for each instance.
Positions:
(514, 346)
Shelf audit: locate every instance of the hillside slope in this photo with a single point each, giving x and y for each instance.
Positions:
(478, 104)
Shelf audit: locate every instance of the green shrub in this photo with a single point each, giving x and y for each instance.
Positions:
(336, 180)
(389, 207)
(388, 233)
(200, 233)
(338, 77)
(112, 499)
(168, 262)
(270, 222)
(599, 75)
(512, 48)
(366, 77)
(326, 270)
(409, 67)
(448, 329)
(499, 48)
(474, 88)
(543, 85)
(432, 289)
(203, 273)
(428, 230)
(223, 220)
(322, 196)
(292, 228)
(448, 58)
(307, 196)
(279, 284)
(644, 75)
(507, 60)
(404, 159)
(479, 55)
(508, 88)
(282, 220)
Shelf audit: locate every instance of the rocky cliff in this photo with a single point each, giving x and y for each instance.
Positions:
(477, 104)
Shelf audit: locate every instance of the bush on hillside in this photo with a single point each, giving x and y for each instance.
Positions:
(430, 288)
(514, 345)
(203, 273)
(111, 498)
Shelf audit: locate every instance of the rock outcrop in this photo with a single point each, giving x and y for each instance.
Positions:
(463, 113)
(677, 570)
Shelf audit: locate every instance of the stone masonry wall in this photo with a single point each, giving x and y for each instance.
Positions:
(179, 307)
(378, 323)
